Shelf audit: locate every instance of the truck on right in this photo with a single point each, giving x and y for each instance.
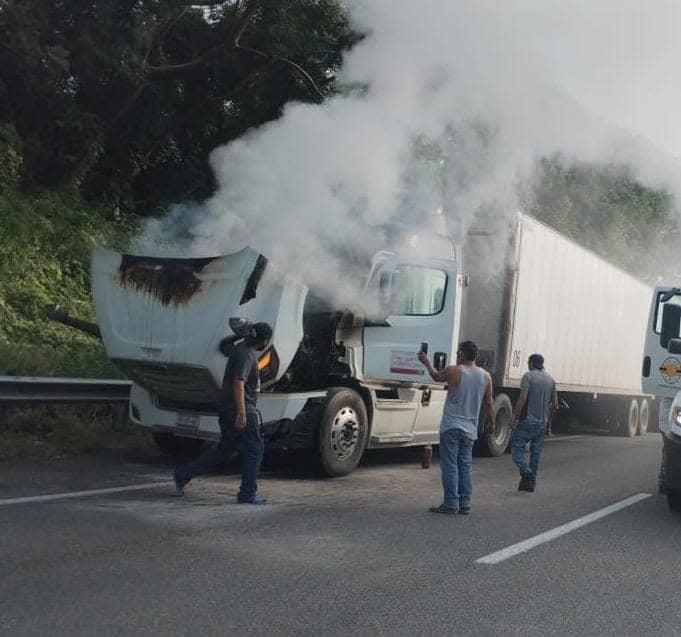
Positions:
(661, 376)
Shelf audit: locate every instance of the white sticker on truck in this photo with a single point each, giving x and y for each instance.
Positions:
(406, 363)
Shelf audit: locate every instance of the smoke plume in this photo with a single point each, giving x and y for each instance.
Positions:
(446, 105)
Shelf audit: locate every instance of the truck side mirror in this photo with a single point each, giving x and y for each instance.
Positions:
(674, 346)
(440, 360)
(671, 323)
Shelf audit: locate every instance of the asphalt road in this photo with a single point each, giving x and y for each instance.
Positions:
(356, 555)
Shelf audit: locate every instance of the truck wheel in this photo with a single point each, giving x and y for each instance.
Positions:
(643, 417)
(674, 501)
(177, 446)
(629, 424)
(495, 444)
(343, 432)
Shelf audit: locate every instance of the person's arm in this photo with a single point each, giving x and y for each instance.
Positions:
(240, 402)
(519, 405)
(439, 376)
(554, 398)
(240, 366)
(489, 406)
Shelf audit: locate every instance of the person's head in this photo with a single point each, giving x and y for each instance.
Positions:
(467, 352)
(259, 336)
(535, 361)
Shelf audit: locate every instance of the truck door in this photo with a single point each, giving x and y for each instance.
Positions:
(419, 303)
(661, 374)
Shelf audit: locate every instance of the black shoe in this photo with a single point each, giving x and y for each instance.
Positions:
(526, 483)
(444, 509)
(179, 484)
(465, 510)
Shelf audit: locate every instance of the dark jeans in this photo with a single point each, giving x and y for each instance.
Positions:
(248, 442)
(534, 434)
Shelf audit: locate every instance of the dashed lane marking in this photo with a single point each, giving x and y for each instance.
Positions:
(547, 536)
(83, 494)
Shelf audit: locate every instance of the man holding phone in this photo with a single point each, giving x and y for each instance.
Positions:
(467, 387)
(239, 419)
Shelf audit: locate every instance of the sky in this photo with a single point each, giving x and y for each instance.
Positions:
(620, 59)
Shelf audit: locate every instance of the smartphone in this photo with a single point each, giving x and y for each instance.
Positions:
(424, 348)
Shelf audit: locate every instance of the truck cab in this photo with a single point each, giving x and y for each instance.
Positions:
(335, 380)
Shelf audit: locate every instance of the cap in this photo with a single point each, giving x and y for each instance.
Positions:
(262, 331)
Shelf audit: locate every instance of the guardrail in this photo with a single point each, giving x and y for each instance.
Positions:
(37, 389)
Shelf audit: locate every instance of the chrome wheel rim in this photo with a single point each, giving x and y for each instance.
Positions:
(344, 433)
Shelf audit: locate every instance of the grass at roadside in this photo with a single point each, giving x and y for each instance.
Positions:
(45, 245)
(45, 432)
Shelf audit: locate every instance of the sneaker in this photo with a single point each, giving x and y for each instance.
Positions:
(179, 483)
(256, 499)
(443, 508)
(465, 510)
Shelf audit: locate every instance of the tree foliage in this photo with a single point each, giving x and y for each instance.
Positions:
(606, 209)
(123, 100)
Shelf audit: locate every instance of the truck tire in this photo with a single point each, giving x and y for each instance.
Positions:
(629, 418)
(343, 432)
(177, 446)
(643, 417)
(495, 444)
(674, 501)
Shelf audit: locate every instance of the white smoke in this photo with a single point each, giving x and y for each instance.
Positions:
(459, 101)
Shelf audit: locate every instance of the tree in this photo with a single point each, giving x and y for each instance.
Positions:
(125, 99)
(607, 210)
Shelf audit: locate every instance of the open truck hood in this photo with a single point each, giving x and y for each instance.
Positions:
(162, 319)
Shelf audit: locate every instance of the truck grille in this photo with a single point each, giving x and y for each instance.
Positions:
(172, 382)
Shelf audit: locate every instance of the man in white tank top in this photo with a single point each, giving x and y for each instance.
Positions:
(467, 387)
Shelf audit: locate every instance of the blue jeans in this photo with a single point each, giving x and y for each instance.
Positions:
(533, 433)
(456, 464)
(248, 442)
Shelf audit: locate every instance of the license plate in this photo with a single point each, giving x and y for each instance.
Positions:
(187, 422)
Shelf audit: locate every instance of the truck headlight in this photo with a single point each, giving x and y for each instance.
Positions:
(268, 365)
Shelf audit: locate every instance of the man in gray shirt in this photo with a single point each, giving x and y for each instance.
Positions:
(468, 387)
(537, 397)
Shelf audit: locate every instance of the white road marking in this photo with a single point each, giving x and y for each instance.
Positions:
(83, 494)
(559, 438)
(542, 538)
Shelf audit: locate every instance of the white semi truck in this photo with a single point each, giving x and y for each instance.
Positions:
(662, 377)
(336, 382)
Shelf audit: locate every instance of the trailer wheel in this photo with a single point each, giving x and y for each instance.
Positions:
(674, 501)
(643, 417)
(343, 432)
(495, 444)
(177, 446)
(629, 423)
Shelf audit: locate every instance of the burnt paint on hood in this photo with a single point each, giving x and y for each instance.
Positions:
(170, 280)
